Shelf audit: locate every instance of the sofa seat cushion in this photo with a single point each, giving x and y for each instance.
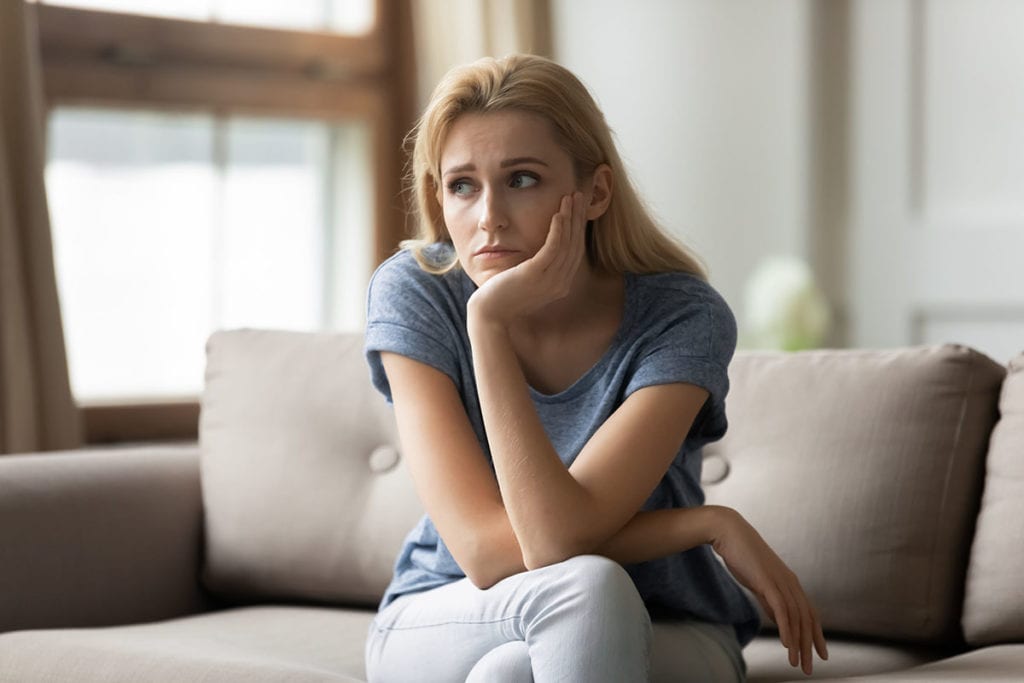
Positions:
(863, 470)
(767, 661)
(251, 645)
(996, 664)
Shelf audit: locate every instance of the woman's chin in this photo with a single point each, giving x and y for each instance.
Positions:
(480, 275)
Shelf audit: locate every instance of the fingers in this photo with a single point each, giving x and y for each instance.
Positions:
(799, 626)
(806, 627)
(819, 637)
(563, 249)
(577, 230)
(554, 243)
(810, 635)
(780, 615)
(795, 630)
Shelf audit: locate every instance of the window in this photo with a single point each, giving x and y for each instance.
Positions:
(204, 174)
(334, 16)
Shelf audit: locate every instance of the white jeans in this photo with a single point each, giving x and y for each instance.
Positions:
(578, 620)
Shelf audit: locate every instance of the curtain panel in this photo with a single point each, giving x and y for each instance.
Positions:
(37, 409)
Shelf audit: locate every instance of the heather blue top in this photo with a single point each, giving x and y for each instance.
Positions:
(674, 328)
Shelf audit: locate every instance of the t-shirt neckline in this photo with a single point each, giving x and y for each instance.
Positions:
(587, 379)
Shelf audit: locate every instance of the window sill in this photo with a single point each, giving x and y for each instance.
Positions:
(141, 422)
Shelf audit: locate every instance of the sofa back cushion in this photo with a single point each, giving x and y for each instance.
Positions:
(862, 468)
(994, 605)
(303, 495)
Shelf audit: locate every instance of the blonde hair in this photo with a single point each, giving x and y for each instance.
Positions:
(624, 239)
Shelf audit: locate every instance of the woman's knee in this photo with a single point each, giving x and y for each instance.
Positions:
(601, 575)
(599, 580)
(508, 662)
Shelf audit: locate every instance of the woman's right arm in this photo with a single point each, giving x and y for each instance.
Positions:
(452, 478)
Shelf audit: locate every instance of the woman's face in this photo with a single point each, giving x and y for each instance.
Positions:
(503, 175)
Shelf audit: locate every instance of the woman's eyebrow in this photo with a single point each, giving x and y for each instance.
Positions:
(522, 160)
(514, 161)
(461, 168)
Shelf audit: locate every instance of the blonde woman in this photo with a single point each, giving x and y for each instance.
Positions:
(556, 363)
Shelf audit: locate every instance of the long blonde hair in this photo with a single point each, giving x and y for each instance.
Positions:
(624, 239)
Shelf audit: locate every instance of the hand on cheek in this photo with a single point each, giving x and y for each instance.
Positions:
(545, 277)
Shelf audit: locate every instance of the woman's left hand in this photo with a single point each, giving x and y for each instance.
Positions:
(776, 587)
(545, 277)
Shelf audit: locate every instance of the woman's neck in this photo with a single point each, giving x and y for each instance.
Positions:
(594, 298)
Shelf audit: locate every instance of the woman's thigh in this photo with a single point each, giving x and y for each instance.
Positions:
(436, 635)
(581, 619)
(697, 651)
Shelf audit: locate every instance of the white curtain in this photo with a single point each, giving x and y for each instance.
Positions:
(452, 32)
(37, 410)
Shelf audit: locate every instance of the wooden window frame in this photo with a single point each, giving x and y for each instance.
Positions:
(110, 59)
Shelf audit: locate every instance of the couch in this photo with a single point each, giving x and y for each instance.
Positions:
(891, 481)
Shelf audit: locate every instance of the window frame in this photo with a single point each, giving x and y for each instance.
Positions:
(111, 59)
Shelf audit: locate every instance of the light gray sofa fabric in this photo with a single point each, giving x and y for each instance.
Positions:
(994, 605)
(287, 413)
(91, 538)
(266, 644)
(997, 663)
(863, 469)
(303, 493)
(767, 663)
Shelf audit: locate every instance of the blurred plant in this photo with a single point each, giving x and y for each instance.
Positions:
(785, 309)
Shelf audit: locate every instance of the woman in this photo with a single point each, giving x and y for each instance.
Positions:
(555, 364)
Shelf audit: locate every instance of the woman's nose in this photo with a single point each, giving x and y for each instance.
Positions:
(492, 212)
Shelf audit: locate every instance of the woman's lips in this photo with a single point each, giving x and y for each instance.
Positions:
(493, 253)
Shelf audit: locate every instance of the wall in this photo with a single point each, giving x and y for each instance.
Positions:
(880, 140)
(710, 102)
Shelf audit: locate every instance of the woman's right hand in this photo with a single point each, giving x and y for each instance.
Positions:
(755, 565)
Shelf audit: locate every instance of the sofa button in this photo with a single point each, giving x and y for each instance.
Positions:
(383, 458)
(715, 469)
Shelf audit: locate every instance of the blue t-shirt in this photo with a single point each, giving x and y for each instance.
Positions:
(675, 328)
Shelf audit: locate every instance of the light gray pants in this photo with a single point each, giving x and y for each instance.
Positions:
(578, 620)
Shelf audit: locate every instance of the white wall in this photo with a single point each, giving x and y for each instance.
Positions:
(936, 220)
(880, 140)
(709, 101)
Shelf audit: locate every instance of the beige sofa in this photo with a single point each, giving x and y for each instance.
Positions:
(259, 554)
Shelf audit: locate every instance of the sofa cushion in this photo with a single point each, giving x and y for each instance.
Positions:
(303, 493)
(767, 662)
(994, 606)
(862, 468)
(244, 645)
(998, 664)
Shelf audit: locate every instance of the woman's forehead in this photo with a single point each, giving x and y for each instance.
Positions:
(493, 137)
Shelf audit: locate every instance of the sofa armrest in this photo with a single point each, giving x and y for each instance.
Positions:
(99, 537)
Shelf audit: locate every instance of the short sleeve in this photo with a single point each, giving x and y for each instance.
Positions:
(412, 313)
(692, 342)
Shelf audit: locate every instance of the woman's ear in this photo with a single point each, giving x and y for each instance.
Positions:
(600, 192)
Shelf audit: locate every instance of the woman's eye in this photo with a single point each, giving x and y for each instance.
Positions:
(522, 180)
(460, 187)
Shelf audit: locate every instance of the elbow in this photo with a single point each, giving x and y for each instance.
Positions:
(555, 550)
(481, 578)
(485, 560)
